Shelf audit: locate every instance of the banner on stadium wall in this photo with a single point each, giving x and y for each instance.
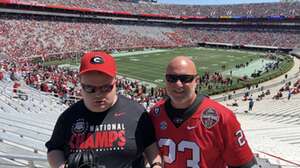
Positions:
(56, 6)
(279, 17)
(237, 17)
(69, 8)
(7, 1)
(121, 13)
(40, 5)
(276, 17)
(176, 17)
(25, 3)
(22, 3)
(78, 9)
(160, 15)
(103, 11)
(193, 17)
(225, 17)
(152, 15)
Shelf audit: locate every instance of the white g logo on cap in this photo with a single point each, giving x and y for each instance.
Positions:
(97, 60)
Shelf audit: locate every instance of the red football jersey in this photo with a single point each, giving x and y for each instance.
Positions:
(210, 138)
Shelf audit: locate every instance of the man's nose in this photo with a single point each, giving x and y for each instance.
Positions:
(179, 83)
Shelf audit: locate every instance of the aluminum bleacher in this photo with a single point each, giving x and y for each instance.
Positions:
(273, 128)
(25, 126)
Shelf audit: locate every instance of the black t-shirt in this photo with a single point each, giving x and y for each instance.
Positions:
(112, 139)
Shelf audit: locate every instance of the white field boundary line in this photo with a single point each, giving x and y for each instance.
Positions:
(138, 53)
(142, 80)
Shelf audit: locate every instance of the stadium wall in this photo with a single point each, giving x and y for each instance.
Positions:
(296, 53)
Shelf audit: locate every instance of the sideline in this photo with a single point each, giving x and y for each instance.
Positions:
(121, 54)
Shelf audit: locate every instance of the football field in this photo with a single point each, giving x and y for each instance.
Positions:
(151, 67)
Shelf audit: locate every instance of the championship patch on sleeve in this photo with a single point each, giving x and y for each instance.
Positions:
(209, 118)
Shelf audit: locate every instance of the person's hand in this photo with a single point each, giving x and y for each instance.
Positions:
(62, 166)
(156, 165)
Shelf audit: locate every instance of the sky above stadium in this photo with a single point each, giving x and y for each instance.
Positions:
(213, 2)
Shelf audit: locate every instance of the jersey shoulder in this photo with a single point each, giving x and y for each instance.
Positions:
(212, 113)
(157, 107)
(216, 106)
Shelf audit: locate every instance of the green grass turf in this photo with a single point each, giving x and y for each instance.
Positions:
(151, 67)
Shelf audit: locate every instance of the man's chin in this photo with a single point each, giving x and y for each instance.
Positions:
(99, 109)
(177, 100)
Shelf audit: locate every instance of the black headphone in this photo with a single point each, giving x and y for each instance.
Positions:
(84, 159)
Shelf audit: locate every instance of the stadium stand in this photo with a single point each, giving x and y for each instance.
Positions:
(51, 36)
(257, 10)
(25, 130)
(273, 125)
(25, 126)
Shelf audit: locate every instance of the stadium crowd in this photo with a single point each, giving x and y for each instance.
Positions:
(29, 37)
(289, 88)
(252, 10)
(63, 82)
(23, 37)
(35, 36)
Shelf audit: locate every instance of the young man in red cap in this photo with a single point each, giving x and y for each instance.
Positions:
(103, 129)
(194, 131)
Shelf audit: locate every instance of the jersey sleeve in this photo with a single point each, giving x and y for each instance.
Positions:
(236, 149)
(57, 140)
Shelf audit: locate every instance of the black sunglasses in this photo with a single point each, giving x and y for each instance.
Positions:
(92, 89)
(183, 78)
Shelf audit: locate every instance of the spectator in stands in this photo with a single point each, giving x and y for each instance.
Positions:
(251, 103)
(278, 95)
(233, 104)
(289, 94)
(39, 37)
(186, 123)
(16, 86)
(104, 129)
(1, 75)
(261, 96)
(268, 92)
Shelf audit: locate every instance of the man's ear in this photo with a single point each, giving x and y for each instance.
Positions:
(197, 79)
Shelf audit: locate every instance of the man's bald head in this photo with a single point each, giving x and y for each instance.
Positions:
(181, 81)
(181, 65)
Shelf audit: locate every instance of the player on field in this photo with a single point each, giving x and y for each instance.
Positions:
(194, 131)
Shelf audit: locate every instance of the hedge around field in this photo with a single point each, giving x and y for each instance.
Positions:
(284, 67)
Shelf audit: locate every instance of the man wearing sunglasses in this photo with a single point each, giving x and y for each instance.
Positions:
(103, 130)
(194, 131)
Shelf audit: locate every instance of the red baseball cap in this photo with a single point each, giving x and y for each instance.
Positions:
(98, 61)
